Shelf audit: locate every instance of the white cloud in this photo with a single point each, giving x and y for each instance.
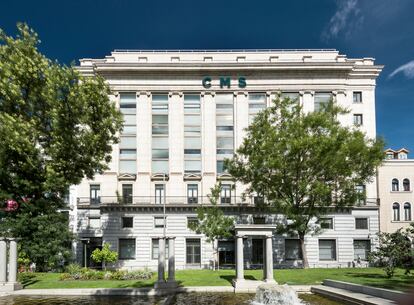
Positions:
(347, 17)
(407, 69)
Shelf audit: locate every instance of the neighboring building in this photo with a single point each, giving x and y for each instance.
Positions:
(395, 188)
(185, 112)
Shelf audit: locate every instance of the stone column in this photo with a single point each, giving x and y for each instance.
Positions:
(171, 259)
(269, 260)
(240, 259)
(12, 261)
(161, 260)
(3, 260)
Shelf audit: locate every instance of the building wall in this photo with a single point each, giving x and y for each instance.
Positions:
(395, 169)
(179, 73)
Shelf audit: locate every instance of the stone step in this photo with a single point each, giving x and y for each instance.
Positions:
(349, 296)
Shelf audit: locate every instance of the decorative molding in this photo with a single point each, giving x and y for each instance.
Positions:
(192, 177)
(160, 177)
(147, 93)
(224, 176)
(127, 177)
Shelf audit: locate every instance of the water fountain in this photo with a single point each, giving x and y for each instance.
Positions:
(271, 294)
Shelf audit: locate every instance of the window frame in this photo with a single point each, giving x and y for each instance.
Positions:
(359, 219)
(334, 248)
(396, 213)
(123, 224)
(193, 262)
(121, 257)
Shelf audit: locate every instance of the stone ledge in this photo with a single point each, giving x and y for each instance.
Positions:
(373, 291)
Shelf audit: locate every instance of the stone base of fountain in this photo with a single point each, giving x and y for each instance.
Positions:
(250, 286)
(271, 294)
(8, 287)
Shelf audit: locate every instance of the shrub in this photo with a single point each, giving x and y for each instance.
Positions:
(73, 268)
(119, 275)
(24, 277)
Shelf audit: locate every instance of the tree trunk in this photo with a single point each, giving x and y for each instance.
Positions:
(303, 248)
(214, 255)
(104, 265)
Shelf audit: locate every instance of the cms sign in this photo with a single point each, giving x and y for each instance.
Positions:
(225, 82)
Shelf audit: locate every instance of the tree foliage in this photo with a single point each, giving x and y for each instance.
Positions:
(56, 127)
(104, 256)
(212, 222)
(304, 164)
(395, 250)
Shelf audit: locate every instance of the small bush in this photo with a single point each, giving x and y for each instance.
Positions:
(24, 277)
(119, 275)
(73, 268)
(65, 276)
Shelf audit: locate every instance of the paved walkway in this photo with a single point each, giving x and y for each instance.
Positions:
(352, 297)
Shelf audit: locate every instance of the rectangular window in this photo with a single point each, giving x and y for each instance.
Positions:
(95, 193)
(192, 134)
(159, 222)
(127, 193)
(225, 195)
(293, 250)
(156, 248)
(326, 223)
(362, 248)
(327, 249)
(191, 220)
(127, 105)
(361, 223)
(94, 222)
(358, 120)
(159, 193)
(128, 166)
(357, 97)
(224, 127)
(127, 222)
(160, 147)
(126, 248)
(361, 193)
(193, 250)
(259, 220)
(192, 193)
(322, 100)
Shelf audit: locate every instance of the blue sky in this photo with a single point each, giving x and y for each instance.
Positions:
(382, 29)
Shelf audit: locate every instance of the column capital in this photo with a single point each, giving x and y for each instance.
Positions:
(309, 92)
(170, 237)
(179, 93)
(240, 235)
(115, 93)
(245, 93)
(212, 93)
(269, 236)
(147, 93)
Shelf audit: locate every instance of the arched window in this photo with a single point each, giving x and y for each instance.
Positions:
(406, 185)
(395, 185)
(396, 211)
(407, 211)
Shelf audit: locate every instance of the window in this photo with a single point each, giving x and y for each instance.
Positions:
(357, 97)
(224, 127)
(327, 249)
(192, 134)
(396, 211)
(406, 185)
(322, 100)
(160, 146)
(159, 194)
(293, 250)
(127, 248)
(95, 193)
(407, 211)
(361, 193)
(326, 223)
(358, 119)
(128, 144)
(225, 195)
(127, 193)
(362, 249)
(128, 155)
(192, 193)
(395, 185)
(193, 251)
(259, 220)
(159, 222)
(156, 248)
(361, 223)
(220, 166)
(257, 102)
(127, 222)
(191, 220)
(94, 222)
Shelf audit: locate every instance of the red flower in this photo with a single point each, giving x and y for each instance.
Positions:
(11, 206)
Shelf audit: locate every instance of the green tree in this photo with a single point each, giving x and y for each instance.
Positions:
(304, 164)
(212, 222)
(56, 127)
(104, 256)
(395, 250)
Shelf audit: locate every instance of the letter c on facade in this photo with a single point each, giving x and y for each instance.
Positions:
(206, 82)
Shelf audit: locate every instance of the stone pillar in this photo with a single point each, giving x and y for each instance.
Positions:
(161, 260)
(13, 261)
(3, 260)
(269, 260)
(240, 259)
(171, 259)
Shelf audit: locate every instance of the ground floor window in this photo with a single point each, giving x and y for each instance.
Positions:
(226, 252)
(156, 248)
(327, 249)
(361, 249)
(193, 251)
(127, 248)
(293, 250)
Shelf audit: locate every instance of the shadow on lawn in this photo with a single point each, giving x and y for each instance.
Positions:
(230, 278)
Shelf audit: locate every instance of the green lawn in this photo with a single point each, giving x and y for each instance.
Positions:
(366, 276)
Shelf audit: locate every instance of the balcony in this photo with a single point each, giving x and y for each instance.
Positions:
(160, 200)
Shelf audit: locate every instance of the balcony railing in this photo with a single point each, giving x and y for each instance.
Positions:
(182, 200)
